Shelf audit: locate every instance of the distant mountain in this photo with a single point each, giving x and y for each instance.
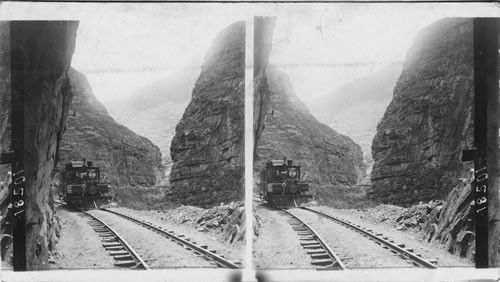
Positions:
(356, 108)
(155, 109)
(376, 87)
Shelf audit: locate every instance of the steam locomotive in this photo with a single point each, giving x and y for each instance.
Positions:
(82, 186)
(281, 185)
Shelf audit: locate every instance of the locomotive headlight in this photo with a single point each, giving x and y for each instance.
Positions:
(293, 173)
(92, 174)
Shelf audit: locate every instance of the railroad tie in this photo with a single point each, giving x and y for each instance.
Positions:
(125, 263)
(401, 245)
(110, 244)
(322, 262)
(304, 233)
(119, 253)
(310, 252)
(123, 257)
(323, 255)
(312, 246)
(114, 248)
(307, 238)
(105, 234)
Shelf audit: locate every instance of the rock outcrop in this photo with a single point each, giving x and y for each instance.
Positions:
(41, 56)
(326, 157)
(418, 146)
(452, 223)
(125, 158)
(207, 149)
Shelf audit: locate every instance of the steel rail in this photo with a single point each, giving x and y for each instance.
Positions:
(127, 246)
(331, 253)
(420, 261)
(207, 253)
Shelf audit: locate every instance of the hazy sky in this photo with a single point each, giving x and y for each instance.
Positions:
(121, 47)
(324, 48)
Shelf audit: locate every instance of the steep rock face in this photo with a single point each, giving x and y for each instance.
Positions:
(154, 110)
(418, 145)
(207, 149)
(326, 157)
(41, 55)
(126, 158)
(263, 39)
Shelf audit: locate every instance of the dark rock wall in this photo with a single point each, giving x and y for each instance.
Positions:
(263, 39)
(5, 130)
(207, 149)
(42, 52)
(419, 141)
(126, 158)
(5, 95)
(326, 157)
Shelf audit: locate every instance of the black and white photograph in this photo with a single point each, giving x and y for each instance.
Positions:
(361, 121)
(133, 137)
(240, 141)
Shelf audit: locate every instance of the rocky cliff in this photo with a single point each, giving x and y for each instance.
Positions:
(263, 39)
(207, 149)
(419, 141)
(326, 157)
(41, 55)
(125, 158)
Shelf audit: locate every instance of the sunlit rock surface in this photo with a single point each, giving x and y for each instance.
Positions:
(419, 142)
(208, 147)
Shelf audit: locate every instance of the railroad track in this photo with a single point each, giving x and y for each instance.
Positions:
(385, 242)
(122, 252)
(199, 250)
(397, 248)
(322, 256)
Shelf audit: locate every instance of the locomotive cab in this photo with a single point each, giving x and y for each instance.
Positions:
(82, 187)
(281, 184)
